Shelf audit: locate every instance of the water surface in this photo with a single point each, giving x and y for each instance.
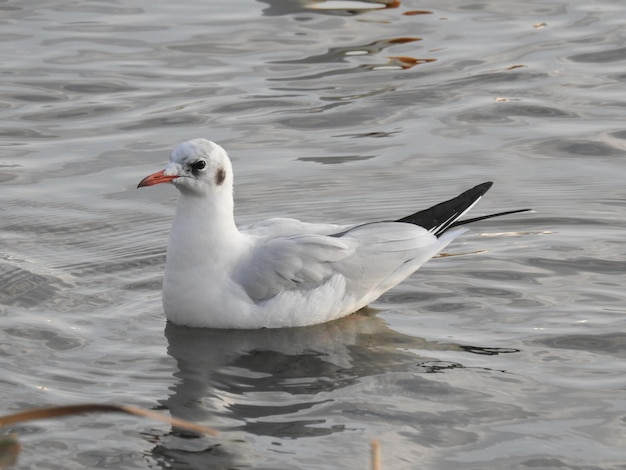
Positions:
(509, 354)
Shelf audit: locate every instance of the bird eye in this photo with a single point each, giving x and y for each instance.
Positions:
(199, 165)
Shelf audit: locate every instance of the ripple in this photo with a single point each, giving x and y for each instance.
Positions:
(254, 106)
(494, 292)
(51, 339)
(619, 134)
(499, 113)
(23, 288)
(508, 276)
(73, 113)
(452, 91)
(600, 57)
(578, 147)
(572, 266)
(34, 98)
(333, 160)
(449, 307)
(373, 134)
(98, 88)
(26, 134)
(164, 121)
(610, 343)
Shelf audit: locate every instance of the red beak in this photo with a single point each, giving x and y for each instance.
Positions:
(156, 178)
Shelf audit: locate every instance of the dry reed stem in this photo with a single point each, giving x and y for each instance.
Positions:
(56, 411)
(375, 449)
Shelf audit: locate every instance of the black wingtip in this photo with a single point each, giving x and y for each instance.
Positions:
(441, 217)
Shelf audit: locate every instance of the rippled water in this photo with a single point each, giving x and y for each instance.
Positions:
(508, 355)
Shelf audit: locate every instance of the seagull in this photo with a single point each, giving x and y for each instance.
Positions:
(281, 272)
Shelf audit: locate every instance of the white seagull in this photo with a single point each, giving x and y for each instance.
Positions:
(282, 272)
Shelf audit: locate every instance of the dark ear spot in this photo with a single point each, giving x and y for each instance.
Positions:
(220, 176)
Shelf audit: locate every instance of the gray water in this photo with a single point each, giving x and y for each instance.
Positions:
(509, 354)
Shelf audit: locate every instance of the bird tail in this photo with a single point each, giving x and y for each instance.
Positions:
(444, 216)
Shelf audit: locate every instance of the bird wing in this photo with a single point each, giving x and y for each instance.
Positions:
(298, 262)
(284, 227)
(371, 258)
(386, 253)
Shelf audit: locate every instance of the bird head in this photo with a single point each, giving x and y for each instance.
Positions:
(196, 167)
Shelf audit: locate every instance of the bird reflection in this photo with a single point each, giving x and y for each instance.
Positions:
(232, 377)
(277, 382)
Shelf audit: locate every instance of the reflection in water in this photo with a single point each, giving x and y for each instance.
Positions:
(343, 7)
(274, 382)
(352, 6)
(339, 54)
(392, 63)
(342, 54)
